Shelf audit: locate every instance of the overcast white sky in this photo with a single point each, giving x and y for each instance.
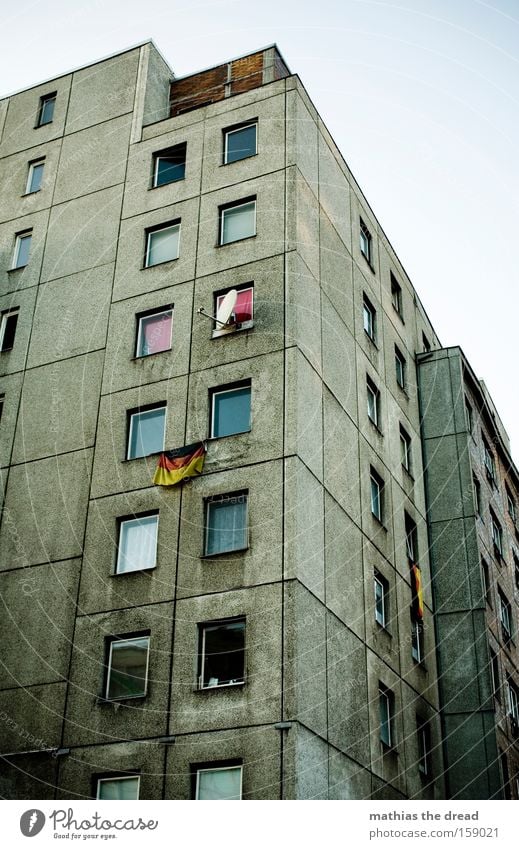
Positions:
(421, 97)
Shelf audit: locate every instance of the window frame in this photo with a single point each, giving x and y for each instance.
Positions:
(417, 641)
(405, 449)
(44, 100)
(118, 777)
(511, 505)
(512, 699)
(386, 697)
(373, 391)
(396, 296)
(2, 404)
(369, 310)
(241, 325)
(226, 390)
(14, 312)
(223, 766)
(227, 207)
(148, 314)
(495, 678)
(378, 481)
(131, 414)
(380, 581)
(496, 532)
(236, 128)
(166, 153)
(489, 462)
(230, 497)
(505, 617)
(469, 415)
(152, 231)
(400, 369)
(18, 239)
(30, 173)
(485, 571)
(365, 239)
(126, 520)
(426, 345)
(125, 639)
(423, 730)
(202, 627)
(411, 539)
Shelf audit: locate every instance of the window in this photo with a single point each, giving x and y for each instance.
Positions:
(396, 295)
(226, 524)
(120, 787)
(417, 641)
(34, 176)
(477, 494)
(243, 312)
(497, 535)
(146, 432)
(154, 332)
(424, 745)
(486, 582)
(22, 247)
(469, 415)
(494, 673)
(411, 539)
(224, 782)
(369, 318)
(516, 560)
(8, 322)
(510, 506)
(377, 492)
(381, 599)
(230, 410)
(373, 396)
(490, 466)
(426, 345)
(513, 700)
(162, 244)
(46, 109)
(405, 449)
(400, 368)
(506, 776)
(386, 703)
(237, 221)
(366, 247)
(169, 165)
(221, 654)
(240, 142)
(137, 547)
(505, 615)
(127, 668)
(2, 401)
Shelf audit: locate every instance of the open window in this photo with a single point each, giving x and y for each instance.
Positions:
(127, 668)
(221, 659)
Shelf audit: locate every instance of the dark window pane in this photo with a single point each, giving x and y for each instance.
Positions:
(128, 664)
(231, 411)
(223, 654)
(240, 143)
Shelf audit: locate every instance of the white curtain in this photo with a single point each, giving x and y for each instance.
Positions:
(163, 245)
(239, 222)
(138, 544)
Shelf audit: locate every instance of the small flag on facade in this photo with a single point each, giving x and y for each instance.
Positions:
(179, 464)
(416, 586)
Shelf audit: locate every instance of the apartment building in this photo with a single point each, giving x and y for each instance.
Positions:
(264, 630)
(473, 491)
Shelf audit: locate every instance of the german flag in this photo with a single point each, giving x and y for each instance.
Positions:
(179, 464)
(417, 590)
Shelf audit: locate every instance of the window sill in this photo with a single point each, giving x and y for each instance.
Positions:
(226, 686)
(399, 314)
(156, 264)
(383, 628)
(249, 156)
(224, 553)
(133, 571)
(145, 356)
(375, 427)
(389, 750)
(379, 522)
(102, 700)
(372, 341)
(368, 262)
(232, 329)
(143, 456)
(169, 183)
(228, 435)
(18, 268)
(235, 241)
(26, 194)
(408, 474)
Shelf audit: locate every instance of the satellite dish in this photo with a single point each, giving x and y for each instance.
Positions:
(226, 307)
